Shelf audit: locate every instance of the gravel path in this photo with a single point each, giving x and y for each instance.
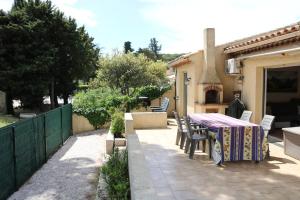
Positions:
(72, 172)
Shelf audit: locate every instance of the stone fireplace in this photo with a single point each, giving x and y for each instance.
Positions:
(212, 95)
(210, 88)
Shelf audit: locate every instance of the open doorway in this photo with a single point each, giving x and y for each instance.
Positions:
(282, 97)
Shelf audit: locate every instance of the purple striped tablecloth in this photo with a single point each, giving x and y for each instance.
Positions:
(235, 139)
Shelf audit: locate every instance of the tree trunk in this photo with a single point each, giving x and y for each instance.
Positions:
(52, 94)
(65, 97)
(9, 103)
(56, 101)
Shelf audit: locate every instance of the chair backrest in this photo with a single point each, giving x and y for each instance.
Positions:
(163, 102)
(267, 121)
(246, 115)
(188, 127)
(179, 124)
(165, 106)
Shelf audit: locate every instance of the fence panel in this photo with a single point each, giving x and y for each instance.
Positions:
(40, 143)
(7, 177)
(53, 131)
(66, 121)
(26, 145)
(25, 150)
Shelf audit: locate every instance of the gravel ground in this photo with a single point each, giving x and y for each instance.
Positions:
(72, 172)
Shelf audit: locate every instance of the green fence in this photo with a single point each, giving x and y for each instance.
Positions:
(26, 145)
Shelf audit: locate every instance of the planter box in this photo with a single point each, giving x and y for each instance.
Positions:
(291, 138)
(119, 142)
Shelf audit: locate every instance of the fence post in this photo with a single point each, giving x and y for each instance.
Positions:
(61, 125)
(71, 122)
(35, 135)
(45, 137)
(14, 157)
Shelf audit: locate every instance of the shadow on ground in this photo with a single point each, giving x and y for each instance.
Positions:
(71, 173)
(173, 173)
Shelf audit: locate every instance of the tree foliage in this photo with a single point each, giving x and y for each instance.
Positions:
(147, 53)
(40, 46)
(155, 48)
(127, 47)
(124, 72)
(98, 105)
(167, 57)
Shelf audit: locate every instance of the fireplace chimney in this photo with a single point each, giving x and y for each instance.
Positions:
(209, 74)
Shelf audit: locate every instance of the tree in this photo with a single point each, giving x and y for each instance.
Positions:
(155, 48)
(42, 52)
(146, 52)
(25, 54)
(127, 47)
(127, 71)
(76, 56)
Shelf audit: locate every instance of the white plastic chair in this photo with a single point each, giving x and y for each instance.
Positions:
(246, 115)
(266, 124)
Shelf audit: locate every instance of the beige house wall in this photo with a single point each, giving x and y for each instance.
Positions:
(253, 84)
(251, 80)
(228, 81)
(194, 70)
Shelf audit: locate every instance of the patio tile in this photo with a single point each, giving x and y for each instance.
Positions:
(164, 192)
(172, 170)
(186, 195)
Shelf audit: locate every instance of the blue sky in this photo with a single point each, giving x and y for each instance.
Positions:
(177, 24)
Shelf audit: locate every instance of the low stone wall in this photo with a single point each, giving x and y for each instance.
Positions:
(81, 124)
(141, 185)
(144, 120)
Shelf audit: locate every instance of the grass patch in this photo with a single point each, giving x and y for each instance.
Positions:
(6, 120)
(116, 175)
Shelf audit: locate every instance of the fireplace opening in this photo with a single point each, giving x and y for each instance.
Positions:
(212, 96)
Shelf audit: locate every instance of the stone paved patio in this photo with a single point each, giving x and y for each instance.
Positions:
(177, 177)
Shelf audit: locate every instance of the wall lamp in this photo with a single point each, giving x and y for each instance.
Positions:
(187, 80)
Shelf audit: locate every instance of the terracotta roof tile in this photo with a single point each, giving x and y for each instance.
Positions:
(262, 39)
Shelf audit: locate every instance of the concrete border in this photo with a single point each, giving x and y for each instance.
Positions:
(119, 142)
(144, 120)
(141, 185)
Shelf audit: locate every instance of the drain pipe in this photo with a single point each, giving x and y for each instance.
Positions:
(175, 84)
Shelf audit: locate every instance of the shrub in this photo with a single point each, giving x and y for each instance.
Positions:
(152, 91)
(95, 105)
(98, 105)
(115, 174)
(117, 124)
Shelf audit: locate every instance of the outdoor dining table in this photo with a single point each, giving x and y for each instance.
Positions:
(234, 139)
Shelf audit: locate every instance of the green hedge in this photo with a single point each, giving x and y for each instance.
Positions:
(116, 175)
(98, 105)
(117, 124)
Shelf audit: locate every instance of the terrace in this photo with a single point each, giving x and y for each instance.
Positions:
(159, 168)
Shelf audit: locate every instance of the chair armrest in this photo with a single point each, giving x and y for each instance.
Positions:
(154, 107)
